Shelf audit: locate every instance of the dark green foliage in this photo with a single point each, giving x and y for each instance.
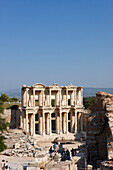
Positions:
(2, 145)
(53, 102)
(88, 101)
(4, 97)
(1, 107)
(13, 99)
(3, 126)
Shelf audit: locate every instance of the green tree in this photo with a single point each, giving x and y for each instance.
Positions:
(3, 126)
(13, 99)
(4, 97)
(88, 101)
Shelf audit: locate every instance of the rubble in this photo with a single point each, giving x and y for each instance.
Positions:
(22, 145)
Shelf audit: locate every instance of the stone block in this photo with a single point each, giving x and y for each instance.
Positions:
(20, 167)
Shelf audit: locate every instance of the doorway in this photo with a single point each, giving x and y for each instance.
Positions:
(53, 123)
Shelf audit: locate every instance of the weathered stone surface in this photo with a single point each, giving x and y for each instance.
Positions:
(100, 129)
(48, 104)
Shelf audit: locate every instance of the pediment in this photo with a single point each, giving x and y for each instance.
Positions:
(54, 86)
(38, 85)
(70, 86)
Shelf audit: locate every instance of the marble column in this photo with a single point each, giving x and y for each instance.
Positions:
(50, 124)
(72, 122)
(26, 97)
(66, 97)
(66, 122)
(40, 124)
(81, 121)
(27, 122)
(75, 91)
(43, 98)
(63, 123)
(76, 122)
(60, 121)
(56, 98)
(57, 123)
(33, 97)
(72, 102)
(47, 123)
(34, 124)
(59, 97)
(43, 122)
(81, 96)
(50, 97)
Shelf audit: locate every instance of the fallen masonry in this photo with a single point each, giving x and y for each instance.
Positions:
(20, 144)
(21, 147)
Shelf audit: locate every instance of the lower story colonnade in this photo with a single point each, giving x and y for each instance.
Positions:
(48, 122)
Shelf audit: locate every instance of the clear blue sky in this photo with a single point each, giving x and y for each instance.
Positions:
(56, 41)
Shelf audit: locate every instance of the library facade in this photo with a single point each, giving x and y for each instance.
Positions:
(52, 109)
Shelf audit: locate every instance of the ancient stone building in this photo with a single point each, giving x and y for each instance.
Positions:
(13, 116)
(100, 131)
(52, 109)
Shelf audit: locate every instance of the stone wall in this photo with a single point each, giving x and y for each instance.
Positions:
(12, 116)
(100, 129)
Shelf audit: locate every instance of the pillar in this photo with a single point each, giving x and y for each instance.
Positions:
(40, 124)
(60, 122)
(56, 98)
(81, 121)
(59, 97)
(43, 123)
(66, 97)
(72, 122)
(21, 122)
(27, 130)
(33, 97)
(34, 124)
(47, 123)
(76, 121)
(50, 97)
(26, 97)
(39, 98)
(43, 98)
(50, 124)
(75, 91)
(81, 96)
(66, 123)
(72, 98)
(57, 123)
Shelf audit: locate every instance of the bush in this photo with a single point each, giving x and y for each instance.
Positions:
(88, 101)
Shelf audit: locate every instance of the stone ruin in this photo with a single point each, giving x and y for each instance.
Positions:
(21, 145)
(13, 116)
(99, 140)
